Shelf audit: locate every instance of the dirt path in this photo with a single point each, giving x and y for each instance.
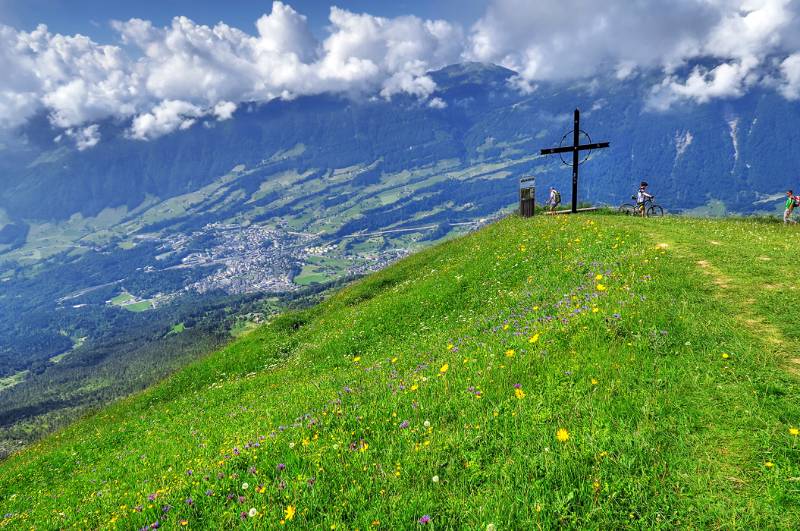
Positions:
(738, 294)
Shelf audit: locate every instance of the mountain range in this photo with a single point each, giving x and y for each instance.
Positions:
(736, 151)
(286, 197)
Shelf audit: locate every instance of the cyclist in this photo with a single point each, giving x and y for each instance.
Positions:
(555, 199)
(642, 197)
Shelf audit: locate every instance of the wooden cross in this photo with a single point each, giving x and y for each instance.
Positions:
(575, 148)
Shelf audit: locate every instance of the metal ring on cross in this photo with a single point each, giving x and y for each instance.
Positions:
(588, 152)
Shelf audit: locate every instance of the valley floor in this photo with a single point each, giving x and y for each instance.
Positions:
(574, 371)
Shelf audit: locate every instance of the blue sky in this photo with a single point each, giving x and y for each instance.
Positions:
(92, 17)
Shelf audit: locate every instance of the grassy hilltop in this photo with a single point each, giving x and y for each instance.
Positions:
(592, 371)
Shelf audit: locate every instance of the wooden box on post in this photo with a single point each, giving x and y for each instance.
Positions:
(527, 196)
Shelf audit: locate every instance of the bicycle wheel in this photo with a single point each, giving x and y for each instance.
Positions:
(627, 209)
(655, 211)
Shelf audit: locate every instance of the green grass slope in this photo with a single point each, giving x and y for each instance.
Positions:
(579, 371)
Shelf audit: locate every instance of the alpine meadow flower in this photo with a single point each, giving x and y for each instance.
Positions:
(562, 435)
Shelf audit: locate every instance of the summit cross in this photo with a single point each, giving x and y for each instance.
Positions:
(575, 149)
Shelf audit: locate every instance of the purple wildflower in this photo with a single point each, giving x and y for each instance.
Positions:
(404, 425)
(281, 467)
(424, 519)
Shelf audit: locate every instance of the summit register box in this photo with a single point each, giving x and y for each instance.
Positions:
(527, 196)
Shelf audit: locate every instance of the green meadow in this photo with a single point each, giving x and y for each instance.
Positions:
(590, 371)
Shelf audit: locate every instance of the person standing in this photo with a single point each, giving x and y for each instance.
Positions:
(554, 200)
(791, 202)
(642, 197)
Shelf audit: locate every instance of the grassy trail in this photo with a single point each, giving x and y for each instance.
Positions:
(578, 371)
(754, 267)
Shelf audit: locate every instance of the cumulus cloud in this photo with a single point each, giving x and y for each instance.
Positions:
(581, 38)
(164, 118)
(167, 78)
(84, 137)
(790, 70)
(162, 79)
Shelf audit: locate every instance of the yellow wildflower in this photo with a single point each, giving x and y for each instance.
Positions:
(444, 368)
(594, 381)
(534, 338)
(725, 356)
(794, 431)
(519, 393)
(356, 359)
(598, 277)
(510, 353)
(769, 464)
(289, 514)
(601, 287)
(562, 435)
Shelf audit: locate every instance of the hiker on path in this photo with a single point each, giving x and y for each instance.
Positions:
(554, 200)
(642, 197)
(791, 202)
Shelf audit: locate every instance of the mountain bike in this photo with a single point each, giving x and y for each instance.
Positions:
(649, 208)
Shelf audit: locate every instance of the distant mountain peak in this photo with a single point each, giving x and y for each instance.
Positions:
(471, 72)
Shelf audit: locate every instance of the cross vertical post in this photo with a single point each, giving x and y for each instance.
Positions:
(575, 163)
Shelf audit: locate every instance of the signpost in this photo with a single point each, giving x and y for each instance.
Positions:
(527, 196)
(575, 149)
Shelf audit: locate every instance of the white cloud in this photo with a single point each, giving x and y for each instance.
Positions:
(165, 78)
(437, 103)
(790, 70)
(224, 110)
(85, 137)
(580, 38)
(164, 118)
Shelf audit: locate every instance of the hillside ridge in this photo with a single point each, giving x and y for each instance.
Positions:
(555, 371)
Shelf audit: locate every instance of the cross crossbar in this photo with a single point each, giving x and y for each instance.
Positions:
(568, 149)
